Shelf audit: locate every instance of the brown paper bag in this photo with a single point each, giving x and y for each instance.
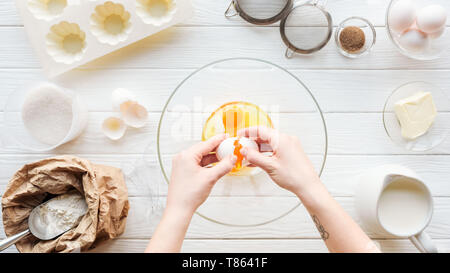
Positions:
(106, 196)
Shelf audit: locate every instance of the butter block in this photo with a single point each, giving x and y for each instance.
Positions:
(416, 114)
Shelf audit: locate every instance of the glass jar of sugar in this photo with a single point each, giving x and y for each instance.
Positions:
(43, 116)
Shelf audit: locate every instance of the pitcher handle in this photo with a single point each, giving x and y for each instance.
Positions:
(424, 243)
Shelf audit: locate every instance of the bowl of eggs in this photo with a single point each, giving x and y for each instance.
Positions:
(225, 97)
(418, 27)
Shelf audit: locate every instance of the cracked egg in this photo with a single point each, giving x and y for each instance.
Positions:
(233, 145)
(111, 23)
(66, 42)
(156, 12)
(229, 119)
(47, 9)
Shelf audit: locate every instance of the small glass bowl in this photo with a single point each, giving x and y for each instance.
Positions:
(437, 46)
(369, 32)
(438, 131)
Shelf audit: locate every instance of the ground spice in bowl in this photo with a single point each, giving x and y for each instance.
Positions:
(352, 39)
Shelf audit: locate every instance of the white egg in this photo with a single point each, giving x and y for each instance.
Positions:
(114, 128)
(414, 40)
(402, 15)
(437, 34)
(227, 147)
(431, 18)
(120, 96)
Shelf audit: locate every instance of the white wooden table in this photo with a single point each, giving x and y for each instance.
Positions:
(351, 93)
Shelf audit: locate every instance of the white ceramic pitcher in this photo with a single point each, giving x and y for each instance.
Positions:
(368, 192)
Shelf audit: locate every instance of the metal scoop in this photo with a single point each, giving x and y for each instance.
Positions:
(39, 231)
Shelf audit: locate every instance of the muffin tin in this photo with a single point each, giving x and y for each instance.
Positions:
(70, 33)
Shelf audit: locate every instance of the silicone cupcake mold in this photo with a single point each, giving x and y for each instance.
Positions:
(47, 9)
(111, 23)
(66, 42)
(156, 12)
(69, 33)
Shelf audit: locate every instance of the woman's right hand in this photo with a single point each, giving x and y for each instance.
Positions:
(288, 166)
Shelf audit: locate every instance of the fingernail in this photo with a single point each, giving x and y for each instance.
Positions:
(243, 151)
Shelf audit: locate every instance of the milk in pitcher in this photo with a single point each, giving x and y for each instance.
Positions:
(404, 206)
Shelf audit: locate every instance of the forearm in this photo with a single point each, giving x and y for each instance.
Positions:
(338, 230)
(170, 232)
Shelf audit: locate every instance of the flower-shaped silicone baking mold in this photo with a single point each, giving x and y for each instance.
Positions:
(156, 12)
(47, 9)
(110, 23)
(66, 42)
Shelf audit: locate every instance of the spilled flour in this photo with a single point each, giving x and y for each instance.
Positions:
(60, 214)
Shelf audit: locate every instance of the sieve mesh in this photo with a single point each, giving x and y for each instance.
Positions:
(262, 9)
(307, 28)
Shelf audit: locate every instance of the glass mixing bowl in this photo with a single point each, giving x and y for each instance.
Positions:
(437, 45)
(242, 200)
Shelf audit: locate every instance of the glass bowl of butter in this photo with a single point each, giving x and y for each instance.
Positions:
(415, 116)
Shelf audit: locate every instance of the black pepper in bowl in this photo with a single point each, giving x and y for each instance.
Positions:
(352, 39)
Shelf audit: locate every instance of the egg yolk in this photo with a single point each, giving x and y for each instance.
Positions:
(233, 120)
(237, 152)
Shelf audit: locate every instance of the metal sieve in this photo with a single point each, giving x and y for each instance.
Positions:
(305, 27)
(259, 12)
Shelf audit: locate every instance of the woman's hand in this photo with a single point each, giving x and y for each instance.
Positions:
(289, 166)
(190, 185)
(191, 182)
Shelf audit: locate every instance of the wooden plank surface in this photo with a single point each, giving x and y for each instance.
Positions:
(192, 47)
(258, 246)
(335, 90)
(211, 12)
(350, 92)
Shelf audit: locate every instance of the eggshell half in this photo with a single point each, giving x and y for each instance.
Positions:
(114, 128)
(121, 95)
(134, 114)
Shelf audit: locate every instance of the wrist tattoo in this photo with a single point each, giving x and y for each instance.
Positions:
(323, 233)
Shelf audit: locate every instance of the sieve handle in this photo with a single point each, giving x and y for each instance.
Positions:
(289, 53)
(319, 3)
(13, 239)
(231, 10)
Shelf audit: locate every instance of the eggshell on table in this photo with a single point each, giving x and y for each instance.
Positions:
(402, 15)
(134, 114)
(431, 19)
(114, 128)
(120, 96)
